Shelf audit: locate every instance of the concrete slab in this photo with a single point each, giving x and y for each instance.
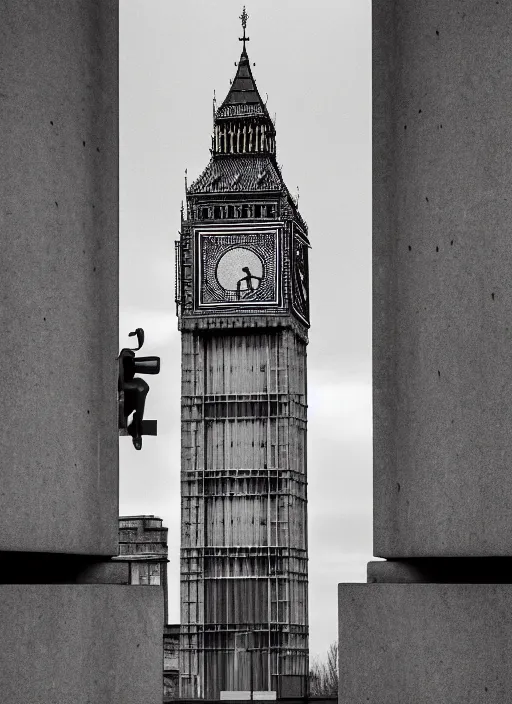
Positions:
(442, 294)
(425, 643)
(63, 644)
(59, 282)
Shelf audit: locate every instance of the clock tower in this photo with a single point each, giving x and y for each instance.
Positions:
(243, 311)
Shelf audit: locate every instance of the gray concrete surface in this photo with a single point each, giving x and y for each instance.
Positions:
(442, 284)
(425, 643)
(69, 644)
(59, 281)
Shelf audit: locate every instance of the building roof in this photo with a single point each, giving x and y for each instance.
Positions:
(243, 97)
(238, 173)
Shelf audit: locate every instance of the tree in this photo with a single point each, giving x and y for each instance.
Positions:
(323, 674)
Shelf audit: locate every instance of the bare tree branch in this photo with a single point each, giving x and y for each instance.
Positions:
(323, 675)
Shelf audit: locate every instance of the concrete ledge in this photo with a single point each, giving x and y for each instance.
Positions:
(425, 643)
(64, 644)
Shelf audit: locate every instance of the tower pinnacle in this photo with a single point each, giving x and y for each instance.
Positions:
(244, 17)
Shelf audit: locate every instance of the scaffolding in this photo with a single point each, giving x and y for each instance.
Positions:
(244, 605)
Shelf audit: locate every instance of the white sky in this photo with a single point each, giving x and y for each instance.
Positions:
(314, 61)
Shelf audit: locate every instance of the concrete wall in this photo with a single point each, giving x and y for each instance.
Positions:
(71, 638)
(59, 277)
(64, 644)
(442, 288)
(433, 627)
(425, 643)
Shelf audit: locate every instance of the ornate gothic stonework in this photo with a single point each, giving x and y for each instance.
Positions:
(243, 308)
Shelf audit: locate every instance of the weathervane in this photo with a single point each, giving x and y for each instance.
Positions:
(244, 17)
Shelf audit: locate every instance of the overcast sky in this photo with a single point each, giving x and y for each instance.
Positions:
(313, 60)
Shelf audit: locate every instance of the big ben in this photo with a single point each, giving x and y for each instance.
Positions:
(243, 311)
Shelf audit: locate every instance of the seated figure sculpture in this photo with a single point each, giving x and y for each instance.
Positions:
(135, 389)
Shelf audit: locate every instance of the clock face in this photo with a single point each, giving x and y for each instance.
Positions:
(237, 268)
(300, 278)
(240, 273)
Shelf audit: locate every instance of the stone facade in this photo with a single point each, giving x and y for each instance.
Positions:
(171, 662)
(143, 545)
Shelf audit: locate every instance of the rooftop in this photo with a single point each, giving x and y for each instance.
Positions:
(239, 173)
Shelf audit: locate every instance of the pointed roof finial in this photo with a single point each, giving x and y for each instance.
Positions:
(244, 17)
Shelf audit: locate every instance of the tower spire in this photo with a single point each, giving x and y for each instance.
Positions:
(244, 17)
